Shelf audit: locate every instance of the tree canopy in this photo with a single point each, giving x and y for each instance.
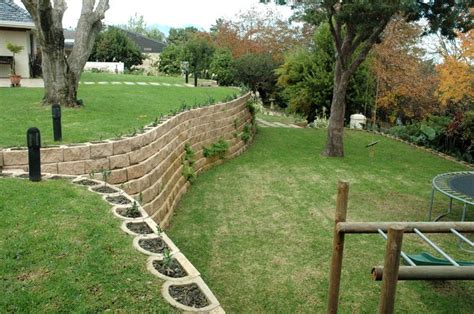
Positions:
(112, 45)
(357, 25)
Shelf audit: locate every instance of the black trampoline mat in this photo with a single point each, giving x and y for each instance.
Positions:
(463, 184)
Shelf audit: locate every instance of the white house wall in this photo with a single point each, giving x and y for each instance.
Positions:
(21, 38)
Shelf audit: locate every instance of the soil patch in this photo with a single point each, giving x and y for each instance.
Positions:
(119, 200)
(174, 270)
(127, 212)
(154, 245)
(86, 182)
(60, 178)
(189, 295)
(105, 189)
(139, 227)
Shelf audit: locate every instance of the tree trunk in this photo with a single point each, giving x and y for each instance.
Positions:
(334, 144)
(61, 74)
(57, 79)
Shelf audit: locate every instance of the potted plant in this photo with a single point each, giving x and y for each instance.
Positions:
(14, 78)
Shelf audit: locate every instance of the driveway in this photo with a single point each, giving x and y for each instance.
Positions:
(5, 82)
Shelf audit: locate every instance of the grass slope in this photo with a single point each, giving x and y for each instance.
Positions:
(259, 228)
(61, 250)
(110, 110)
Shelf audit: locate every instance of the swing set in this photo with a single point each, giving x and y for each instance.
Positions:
(421, 267)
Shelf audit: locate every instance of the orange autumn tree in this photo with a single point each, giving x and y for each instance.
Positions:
(406, 83)
(255, 31)
(456, 73)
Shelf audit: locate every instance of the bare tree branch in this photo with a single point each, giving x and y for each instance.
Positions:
(368, 45)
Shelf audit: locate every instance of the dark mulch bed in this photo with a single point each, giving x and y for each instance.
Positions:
(174, 270)
(127, 212)
(119, 200)
(139, 227)
(86, 182)
(155, 245)
(105, 189)
(189, 295)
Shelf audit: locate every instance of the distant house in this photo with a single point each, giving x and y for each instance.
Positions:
(16, 27)
(149, 47)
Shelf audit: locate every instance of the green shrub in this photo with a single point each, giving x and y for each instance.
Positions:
(246, 133)
(188, 164)
(217, 149)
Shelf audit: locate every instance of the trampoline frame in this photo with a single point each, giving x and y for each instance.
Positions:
(440, 183)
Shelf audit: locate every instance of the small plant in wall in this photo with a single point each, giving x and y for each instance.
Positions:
(246, 133)
(217, 149)
(188, 164)
(105, 177)
(133, 211)
(14, 78)
(252, 107)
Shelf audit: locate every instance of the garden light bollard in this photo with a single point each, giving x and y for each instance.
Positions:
(33, 139)
(56, 112)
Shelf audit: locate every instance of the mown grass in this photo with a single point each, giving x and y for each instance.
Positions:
(61, 250)
(107, 77)
(259, 228)
(110, 110)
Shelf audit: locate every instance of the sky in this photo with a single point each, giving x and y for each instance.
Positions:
(164, 13)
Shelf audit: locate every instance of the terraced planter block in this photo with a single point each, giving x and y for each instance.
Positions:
(183, 288)
(140, 243)
(138, 227)
(188, 268)
(175, 298)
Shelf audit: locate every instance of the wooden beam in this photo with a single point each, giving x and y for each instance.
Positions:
(391, 265)
(428, 273)
(337, 247)
(408, 227)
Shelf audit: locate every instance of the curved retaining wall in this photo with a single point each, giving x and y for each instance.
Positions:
(149, 164)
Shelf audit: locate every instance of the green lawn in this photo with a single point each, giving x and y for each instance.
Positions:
(282, 119)
(61, 250)
(259, 228)
(110, 110)
(107, 77)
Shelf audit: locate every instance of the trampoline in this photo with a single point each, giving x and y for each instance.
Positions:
(457, 186)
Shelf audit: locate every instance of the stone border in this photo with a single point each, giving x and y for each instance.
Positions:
(173, 248)
(193, 274)
(213, 307)
(424, 148)
(182, 260)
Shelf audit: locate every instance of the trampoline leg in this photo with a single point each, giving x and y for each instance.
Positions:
(464, 212)
(450, 205)
(431, 204)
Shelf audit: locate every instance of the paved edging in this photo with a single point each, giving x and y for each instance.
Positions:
(193, 277)
(426, 149)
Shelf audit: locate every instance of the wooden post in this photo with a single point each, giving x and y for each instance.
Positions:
(391, 265)
(337, 247)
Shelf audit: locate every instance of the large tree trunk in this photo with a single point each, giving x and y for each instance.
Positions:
(334, 144)
(61, 74)
(55, 76)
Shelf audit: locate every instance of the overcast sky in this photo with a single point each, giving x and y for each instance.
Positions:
(175, 13)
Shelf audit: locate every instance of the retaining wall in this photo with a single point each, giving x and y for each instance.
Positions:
(149, 164)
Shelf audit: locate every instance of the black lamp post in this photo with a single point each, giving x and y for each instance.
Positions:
(33, 139)
(56, 111)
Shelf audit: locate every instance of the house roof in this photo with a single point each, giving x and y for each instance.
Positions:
(145, 44)
(14, 16)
